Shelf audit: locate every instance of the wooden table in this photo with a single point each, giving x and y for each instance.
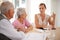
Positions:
(57, 33)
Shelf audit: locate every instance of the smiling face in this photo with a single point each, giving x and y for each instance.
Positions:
(11, 12)
(23, 15)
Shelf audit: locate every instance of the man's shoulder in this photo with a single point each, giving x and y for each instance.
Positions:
(1, 17)
(4, 21)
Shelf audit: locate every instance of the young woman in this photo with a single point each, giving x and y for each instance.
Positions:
(42, 19)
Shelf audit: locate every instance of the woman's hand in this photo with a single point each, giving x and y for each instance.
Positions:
(20, 29)
(29, 28)
(44, 26)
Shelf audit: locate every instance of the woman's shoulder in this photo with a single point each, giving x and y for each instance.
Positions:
(15, 21)
(37, 14)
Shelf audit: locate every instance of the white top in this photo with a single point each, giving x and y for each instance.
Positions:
(7, 29)
(45, 21)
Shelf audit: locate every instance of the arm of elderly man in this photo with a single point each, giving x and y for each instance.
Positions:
(7, 29)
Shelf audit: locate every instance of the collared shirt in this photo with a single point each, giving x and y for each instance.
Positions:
(7, 29)
(4, 16)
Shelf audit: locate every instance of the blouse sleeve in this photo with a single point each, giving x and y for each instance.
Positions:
(16, 24)
(27, 23)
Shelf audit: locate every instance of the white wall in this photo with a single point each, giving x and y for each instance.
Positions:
(55, 7)
(58, 14)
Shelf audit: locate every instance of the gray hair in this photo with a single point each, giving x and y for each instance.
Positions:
(20, 11)
(5, 6)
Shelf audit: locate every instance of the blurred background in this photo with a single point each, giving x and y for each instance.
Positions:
(32, 8)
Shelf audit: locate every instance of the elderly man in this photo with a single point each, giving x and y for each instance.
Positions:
(6, 28)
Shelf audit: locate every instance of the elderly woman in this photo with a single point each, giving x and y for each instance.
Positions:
(21, 23)
(6, 28)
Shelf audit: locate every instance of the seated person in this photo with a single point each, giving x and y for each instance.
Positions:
(41, 19)
(21, 23)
